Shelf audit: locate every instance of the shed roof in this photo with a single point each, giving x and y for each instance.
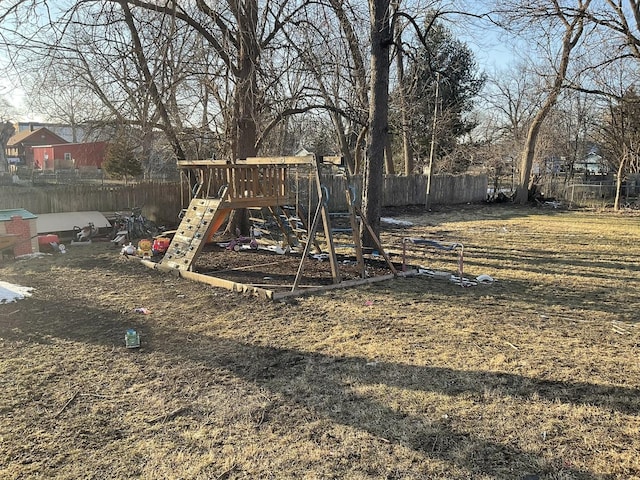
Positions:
(5, 215)
(25, 134)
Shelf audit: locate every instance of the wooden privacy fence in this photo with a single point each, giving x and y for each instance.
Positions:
(162, 202)
(399, 191)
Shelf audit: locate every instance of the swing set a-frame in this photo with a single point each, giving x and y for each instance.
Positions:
(217, 188)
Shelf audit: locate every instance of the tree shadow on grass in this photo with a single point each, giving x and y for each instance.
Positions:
(328, 385)
(593, 299)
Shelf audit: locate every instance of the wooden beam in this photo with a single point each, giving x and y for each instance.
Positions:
(209, 280)
(247, 202)
(311, 234)
(355, 232)
(270, 294)
(377, 241)
(202, 163)
(306, 160)
(326, 222)
(332, 160)
(229, 285)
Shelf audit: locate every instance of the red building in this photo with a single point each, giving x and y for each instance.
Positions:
(21, 144)
(66, 156)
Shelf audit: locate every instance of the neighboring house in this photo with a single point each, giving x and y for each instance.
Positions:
(67, 156)
(22, 143)
(592, 164)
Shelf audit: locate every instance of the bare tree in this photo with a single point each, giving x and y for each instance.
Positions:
(509, 102)
(6, 131)
(570, 22)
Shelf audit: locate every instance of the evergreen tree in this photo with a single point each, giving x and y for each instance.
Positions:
(121, 161)
(441, 57)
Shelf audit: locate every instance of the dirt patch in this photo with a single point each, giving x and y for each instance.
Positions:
(277, 272)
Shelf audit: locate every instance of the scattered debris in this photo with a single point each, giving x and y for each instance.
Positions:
(168, 416)
(511, 345)
(142, 310)
(433, 273)
(58, 247)
(463, 281)
(73, 397)
(128, 249)
(395, 222)
(84, 234)
(485, 279)
(619, 328)
(30, 256)
(278, 249)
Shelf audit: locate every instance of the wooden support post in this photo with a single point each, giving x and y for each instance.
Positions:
(326, 221)
(307, 247)
(355, 231)
(300, 213)
(377, 241)
(255, 181)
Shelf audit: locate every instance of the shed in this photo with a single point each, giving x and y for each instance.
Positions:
(66, 156)
(22, 143)
(20, 223)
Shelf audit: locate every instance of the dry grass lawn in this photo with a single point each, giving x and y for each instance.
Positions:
(533, 377)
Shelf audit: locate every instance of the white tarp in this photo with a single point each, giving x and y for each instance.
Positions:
(64, 222)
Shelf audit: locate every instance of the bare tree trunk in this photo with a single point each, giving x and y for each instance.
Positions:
(344, 144)
(246, 84)
(389, 168)
(573, 28)
(621, 167)
(359, 75)
(245, 130)
(378, 116)
(360, 141)
(6, 132)
(407, 157)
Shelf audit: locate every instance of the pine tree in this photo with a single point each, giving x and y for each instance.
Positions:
(121, 161)
(445, 60)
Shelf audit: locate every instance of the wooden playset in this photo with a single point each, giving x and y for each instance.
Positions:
(216, 188)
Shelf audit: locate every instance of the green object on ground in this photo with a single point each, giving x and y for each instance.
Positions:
(132, 339)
